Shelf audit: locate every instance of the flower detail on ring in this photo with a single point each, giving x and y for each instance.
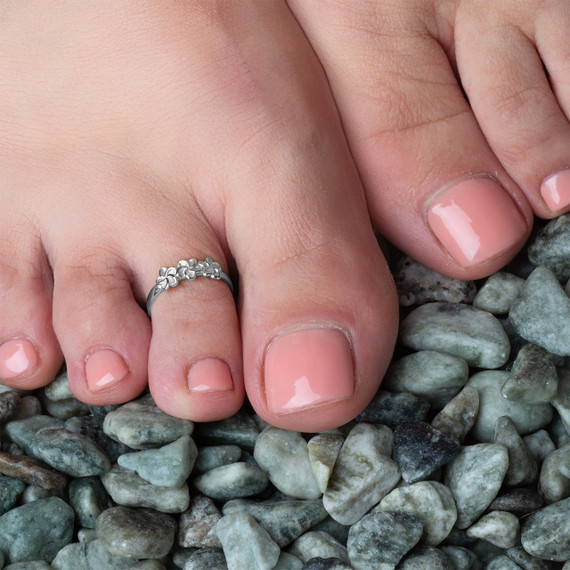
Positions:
(167, 278)
(187, 269)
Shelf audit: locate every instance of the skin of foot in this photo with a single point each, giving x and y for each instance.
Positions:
(133, 135)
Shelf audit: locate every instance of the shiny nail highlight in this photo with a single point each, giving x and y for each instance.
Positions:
(103, 368)
(476, 220)
(555, 191)
(210, 375)
(17, 356)
(306, 368)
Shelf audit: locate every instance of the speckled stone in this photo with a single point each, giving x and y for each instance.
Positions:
(31, 471)
(89, 556)
(58, 389)
(284, 457)
(492, 405)
(32, 565)
(380, 540)
(69, 452)
(417, 284)
(89, 499)
(10, 490)
(167, 466)
(9, 402)
(128, 489)
(239, 429)
(541, 313)
(459, 414)
(475, 477)
(136, 533)
(546, 533)
(462, 558)
(212, 456)
(539, 444)
(63, 409)
(318, 544)
(460, 330)
(29, 406)
(424, 557)
(323, 451)
(392, 409)
(562, 399)
(523, 469)
(431, 375)
(502, 562)
(361, 476)
(210, 558)
(284, 519)
(527, 562)
(142, 425)
(420, 449)
(196, 525)
(552, 484)
(22, 432)
(520, 502)
(338, 531)
(246, 544)
(498, 527)
(287, 561)
(498, 293)
(36, 531)
(551, 247)
(533, 378)
(332, 563)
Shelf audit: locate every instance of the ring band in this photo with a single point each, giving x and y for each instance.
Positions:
(186, 269)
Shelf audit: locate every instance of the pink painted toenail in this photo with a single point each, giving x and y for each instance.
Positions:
(555, 190)
(103, 368)
(476, 220)
(306, 368)
(16, 357)
(210, 375)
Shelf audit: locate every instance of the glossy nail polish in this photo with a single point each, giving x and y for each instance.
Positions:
(210, 375)
(103, 368)
(17, 356)
(555, 191)
(306, 368)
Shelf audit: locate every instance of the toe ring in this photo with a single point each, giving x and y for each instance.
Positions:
(186, 269)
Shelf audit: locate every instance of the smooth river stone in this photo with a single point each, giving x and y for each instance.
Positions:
(551, 247)
(31, 471)
(498, 527)
(391, 409)
(539, 444)
(142, 425)
(498, 293)
(239, 429)
(36, 531)
(136, 533)
(432, 375)
(284, 457)
(167, 466)
(492, 405)
(459, 414)
(128, 489)
(233, 481)
(520, 502)
(206, 558)
(285, 520)
(475, 477)
(502, 562)
(323, 451)
(22, 432)
(361, 476)
(546, 533)
(552, 484)
(71, 453)
(462, 558)
(213, 456)
(10, 490)
(196, 525)
(460, 330)
(423, 557)
(89, 499)
(519, 556)
(318, 544)
(89, 556)
(430, 502)
(378, 541)
(562, 399)
(246, 543)
(541, 313)
(9, 402)
(58, 389)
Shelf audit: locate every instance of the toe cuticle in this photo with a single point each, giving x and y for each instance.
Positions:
(476, 220)
(210, 375)
(104, 368)
(307, 368)
(17, 356)
(555, 190)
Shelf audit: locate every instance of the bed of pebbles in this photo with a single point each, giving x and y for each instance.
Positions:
(461, 461)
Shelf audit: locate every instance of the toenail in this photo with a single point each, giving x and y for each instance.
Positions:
(555, 190)
(103, 368)
(17, 356)
(210, 375)
(476, 220)
(306, 368)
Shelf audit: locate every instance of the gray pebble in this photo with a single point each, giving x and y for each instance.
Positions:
(59, 389)
(210, 558)
(148, 565)
(533, 378)
(246, 544)
(475, 477)
(232, 481)
(142, 425)
(498, 293)
(284, 520)
(63, 409)
(128, 489)
(546, 533)
(539, 444)
(287, 561)
(29, 407)
(541, 313)
(562, 399)
(523, 468)
(36, 531)
(392, 409)
(460, 330)
(69, 452)
(498, 527)
(89, 556)
(22, 432)
(492, 405)
(424, 557)
(9, 402)
(334, 528)
(31, 565)
(31, 471)
(380, 540)
(462, 558)
(10, 490)
(89, 499)
(136, 533)
(520, 502)
(86, 535)
(318, 544)
(167, 466)
(431, 375)
(33, 493)
(417, 284)
(420, 449)
(213, 456)
(238, 430)
(323, 451)
(361, 476)
(518, 555)
(459, 414)
(502, 562)
(332, 563)
(552, 484)
(551, 247)
(196, 525)
(284, 457)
